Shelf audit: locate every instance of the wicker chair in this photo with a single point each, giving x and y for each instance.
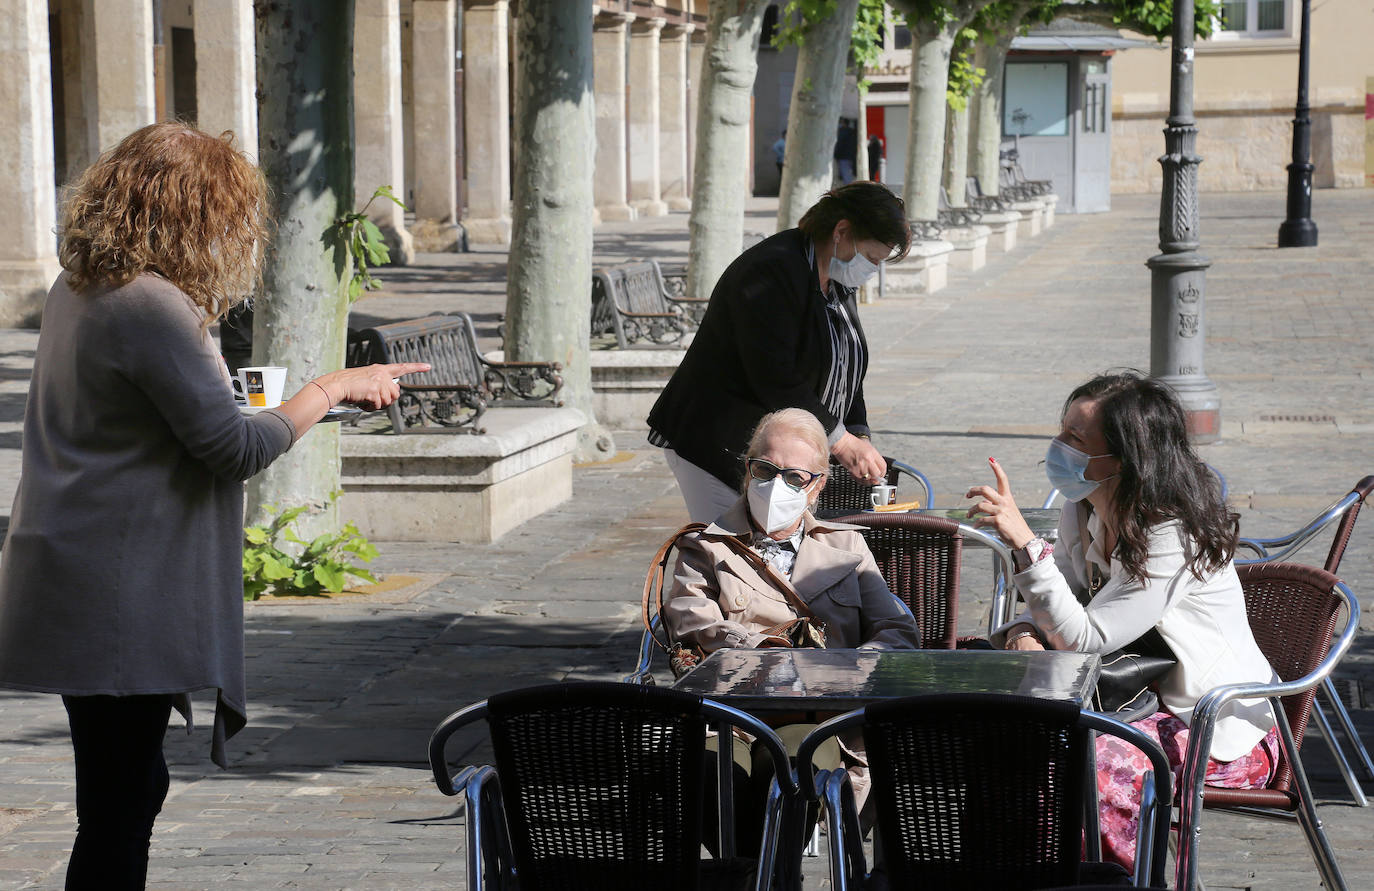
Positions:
(843, 494)
(1342, 513)
(980, 791)
(919, 558)
(1293, 612)
(599, 785)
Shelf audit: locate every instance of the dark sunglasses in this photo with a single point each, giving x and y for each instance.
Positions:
(764, 470)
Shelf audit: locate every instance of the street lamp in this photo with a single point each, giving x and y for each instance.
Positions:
(1299, 230)
(1178, 274)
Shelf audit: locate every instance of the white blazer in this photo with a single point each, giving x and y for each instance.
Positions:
(1204, 622)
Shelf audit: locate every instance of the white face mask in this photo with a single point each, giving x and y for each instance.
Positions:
(774, 505)
(851, 273)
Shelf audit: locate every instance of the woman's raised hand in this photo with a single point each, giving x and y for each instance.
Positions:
(370, 387)
(997, 508)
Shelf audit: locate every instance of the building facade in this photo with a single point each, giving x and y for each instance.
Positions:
(432, 108)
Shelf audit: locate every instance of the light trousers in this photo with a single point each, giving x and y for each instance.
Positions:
(706, 496)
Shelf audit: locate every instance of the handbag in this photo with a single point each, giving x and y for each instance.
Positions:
(807, 630)
(1124, 684)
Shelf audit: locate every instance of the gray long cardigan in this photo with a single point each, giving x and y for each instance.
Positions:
(122, 572)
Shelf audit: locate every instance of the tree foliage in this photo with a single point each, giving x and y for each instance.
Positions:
(797, 18)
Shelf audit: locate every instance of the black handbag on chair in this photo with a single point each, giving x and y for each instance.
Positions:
(1125, 683)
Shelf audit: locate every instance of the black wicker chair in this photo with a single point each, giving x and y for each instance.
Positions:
(980, 791)
(599, 785)
(843, 494)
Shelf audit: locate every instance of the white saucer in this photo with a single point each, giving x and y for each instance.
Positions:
(253, 409)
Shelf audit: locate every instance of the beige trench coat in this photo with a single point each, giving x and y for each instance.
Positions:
(719, 600)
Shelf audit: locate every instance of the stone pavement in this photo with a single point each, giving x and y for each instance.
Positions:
(329, 788)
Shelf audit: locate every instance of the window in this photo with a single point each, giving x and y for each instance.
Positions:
(1252, 18)
(901, 37)
(1036, 99)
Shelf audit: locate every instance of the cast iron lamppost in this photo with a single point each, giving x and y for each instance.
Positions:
(1178, 274)
(1299, 230)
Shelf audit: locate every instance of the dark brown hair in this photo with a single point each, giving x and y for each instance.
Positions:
(871, 209)
(172, 200)
(1162, 478)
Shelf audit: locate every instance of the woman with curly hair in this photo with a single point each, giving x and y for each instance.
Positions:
(121, 586)
(1145, 547)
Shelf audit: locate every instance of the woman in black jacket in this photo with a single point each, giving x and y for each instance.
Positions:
(782, 330)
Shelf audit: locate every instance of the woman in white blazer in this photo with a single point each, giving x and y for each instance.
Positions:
(1146, 543)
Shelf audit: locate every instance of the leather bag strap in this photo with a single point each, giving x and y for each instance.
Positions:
(653, 585)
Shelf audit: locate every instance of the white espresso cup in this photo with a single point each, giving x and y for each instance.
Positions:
(882, 495)
(260, 386)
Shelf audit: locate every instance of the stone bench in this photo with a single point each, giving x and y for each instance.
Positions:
(433, 485)
(970, 246)
(925, 269)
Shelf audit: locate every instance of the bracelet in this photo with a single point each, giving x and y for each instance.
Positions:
(1014, 638)
(329, 403)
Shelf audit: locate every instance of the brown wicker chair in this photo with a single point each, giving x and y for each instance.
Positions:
(843, 494)
(919, 558)
(1293, 612)
(1342, 513)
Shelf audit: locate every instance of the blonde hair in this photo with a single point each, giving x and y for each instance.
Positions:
(172, 200)
(802, 425)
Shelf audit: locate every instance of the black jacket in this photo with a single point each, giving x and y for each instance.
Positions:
(763, 345)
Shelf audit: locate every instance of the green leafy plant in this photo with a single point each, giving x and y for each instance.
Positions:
(363, 245)
(277, 561)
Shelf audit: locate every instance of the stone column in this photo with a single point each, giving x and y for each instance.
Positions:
(378, 138)
(76, 155)
(696, 51)
(117, 69)
(434, 113)
(28, 256)
(608, 77)
(645, 183)
(226, 76)
(486, 118)
(672, 93)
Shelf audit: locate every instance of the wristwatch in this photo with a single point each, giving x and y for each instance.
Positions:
(1024, 558)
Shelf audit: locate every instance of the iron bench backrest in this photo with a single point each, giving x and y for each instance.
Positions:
(460, 385)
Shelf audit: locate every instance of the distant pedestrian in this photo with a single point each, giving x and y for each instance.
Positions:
(846, 151)
(122, 584)
(875, 158)
(779, 150)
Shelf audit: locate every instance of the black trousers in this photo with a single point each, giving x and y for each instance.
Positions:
(121, 782)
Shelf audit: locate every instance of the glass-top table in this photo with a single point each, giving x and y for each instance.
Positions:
(764, 682)
(1043, 521)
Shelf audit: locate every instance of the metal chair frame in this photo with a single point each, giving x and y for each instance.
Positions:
(1344, 511)
(489, 844)
(846, 850)
(1192, 781)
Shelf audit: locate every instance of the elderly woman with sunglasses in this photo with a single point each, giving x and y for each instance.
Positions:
(719, 599)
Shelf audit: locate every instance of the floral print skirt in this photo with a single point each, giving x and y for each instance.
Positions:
(1121, 769)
